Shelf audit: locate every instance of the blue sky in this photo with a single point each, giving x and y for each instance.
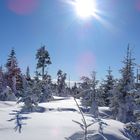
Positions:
(77, 46)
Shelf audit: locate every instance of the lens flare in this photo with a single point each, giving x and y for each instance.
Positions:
(138, 5)
(85, 64)
(22, 7)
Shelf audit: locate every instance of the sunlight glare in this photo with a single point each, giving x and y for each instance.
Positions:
(85, 8)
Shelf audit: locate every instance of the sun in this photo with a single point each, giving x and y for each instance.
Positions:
(85, 8)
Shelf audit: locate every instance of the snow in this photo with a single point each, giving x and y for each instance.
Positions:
(55, 123)
(104, 112)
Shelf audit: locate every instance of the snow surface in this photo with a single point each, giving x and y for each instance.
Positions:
(54, 122)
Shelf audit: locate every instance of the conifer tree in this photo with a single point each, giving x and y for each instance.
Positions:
(94, 97)
(43, 59)
(106, 88)
(123, 104)
(61, 85)
(36, 77)
(28, 77)
(2, 80)
(75, 90)
(29, 96)
(13, 72)
(2, 84)
(88, 90)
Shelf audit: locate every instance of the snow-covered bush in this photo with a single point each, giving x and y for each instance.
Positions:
(29, 98)
(7, 95)
(28, 95)
(44, 91)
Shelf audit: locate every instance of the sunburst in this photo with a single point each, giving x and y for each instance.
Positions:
(85, 8)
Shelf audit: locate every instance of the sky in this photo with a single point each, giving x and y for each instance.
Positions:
(76, 45)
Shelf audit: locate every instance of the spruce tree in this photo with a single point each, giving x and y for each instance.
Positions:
(61, 84)
(106, 88)
(88, 91)
(36, 77)
(2, 84)
(75, 90)
(2, 80)
(43, 59)
(123, 104)
(13, 72)
(29, 96)
(85, 91)
(94, 97)
(28, 77)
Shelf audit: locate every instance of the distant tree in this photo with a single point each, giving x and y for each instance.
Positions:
(2, 80)
(61, 84)
(75, 90)
(3, 84)
(48, 78)
(28, 77)
(36, 77)
(43, 59)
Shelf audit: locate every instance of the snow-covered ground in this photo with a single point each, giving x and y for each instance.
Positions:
(54, 122)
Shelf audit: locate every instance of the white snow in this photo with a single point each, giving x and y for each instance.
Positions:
(55, 123)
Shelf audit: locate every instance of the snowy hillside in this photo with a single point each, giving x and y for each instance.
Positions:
(54, 122)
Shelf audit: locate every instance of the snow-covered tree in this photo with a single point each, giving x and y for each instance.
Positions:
(134, 127)
(36, 77)
(36, 91)
(75, 90)
(48, 79)
(2, 83)
(122, 102)
(105, 89)
(46, 92)
(88, 91)
(28, 77)
(29, 95)
(13, 72)
(43, 59)
(94, 97)
(8, 95)
(61, 84)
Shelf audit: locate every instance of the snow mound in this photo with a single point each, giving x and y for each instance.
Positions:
(107, 130)
(104, 112)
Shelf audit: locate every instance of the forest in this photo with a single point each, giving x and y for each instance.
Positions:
(120, 95)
